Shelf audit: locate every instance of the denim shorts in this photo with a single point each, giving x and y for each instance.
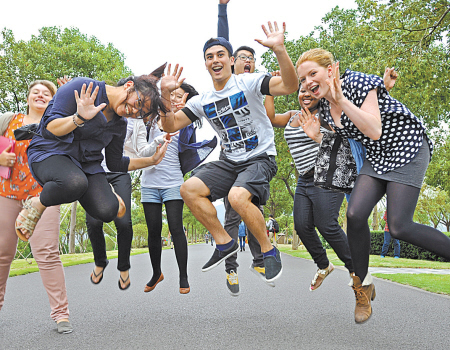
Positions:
(160, 195)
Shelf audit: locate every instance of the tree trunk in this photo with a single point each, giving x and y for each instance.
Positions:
(344, 219)
(295, 240)
(375, 223)
(73, 221)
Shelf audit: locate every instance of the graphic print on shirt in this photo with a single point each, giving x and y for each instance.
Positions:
(230, 117)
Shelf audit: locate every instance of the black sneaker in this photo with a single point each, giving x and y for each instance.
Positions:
(273, 267)
(233, 283)
(219, 256)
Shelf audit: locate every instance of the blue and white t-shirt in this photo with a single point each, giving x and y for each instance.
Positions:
(238, 115)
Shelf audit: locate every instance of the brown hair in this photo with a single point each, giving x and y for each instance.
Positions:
(322, 57)
(47, 83)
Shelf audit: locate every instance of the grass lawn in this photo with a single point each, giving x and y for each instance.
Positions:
(430, 282)
(22, 267)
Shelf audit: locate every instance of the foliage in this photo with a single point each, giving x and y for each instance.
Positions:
(438, 171)
(53, 53)
(368, 40)
(140, 234)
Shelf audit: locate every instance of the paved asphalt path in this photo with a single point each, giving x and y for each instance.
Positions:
(285, 317)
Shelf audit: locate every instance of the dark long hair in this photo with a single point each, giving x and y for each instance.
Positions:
(148, 90)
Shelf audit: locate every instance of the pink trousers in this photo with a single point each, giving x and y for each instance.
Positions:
(44, 245)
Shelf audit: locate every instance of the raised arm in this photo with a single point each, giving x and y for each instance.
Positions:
(222, 24)
(86, 110)
(367, 118)
(277, 120)
(287, 83)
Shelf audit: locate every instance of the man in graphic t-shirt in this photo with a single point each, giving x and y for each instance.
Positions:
(235, 110)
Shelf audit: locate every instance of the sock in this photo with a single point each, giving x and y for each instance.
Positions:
(225, 246)
(271, 252)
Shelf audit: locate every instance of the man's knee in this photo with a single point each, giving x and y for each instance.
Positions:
(239, 196)
(193, 188)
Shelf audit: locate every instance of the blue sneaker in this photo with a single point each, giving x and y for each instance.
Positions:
(382, 256)
(396, 257)
(273, 267)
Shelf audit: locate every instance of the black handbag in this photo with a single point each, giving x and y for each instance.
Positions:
(335, 167)
(26, 132)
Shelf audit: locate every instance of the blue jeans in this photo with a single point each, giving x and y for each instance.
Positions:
(387, 241)
(359, 153)
(242, 242)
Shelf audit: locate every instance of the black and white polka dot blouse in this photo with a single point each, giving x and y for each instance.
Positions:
(402, 132)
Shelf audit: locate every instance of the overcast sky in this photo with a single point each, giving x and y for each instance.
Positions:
(152, 32)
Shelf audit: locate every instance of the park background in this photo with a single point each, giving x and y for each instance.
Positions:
(108, 41)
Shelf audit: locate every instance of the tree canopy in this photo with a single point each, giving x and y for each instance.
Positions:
(53, 53)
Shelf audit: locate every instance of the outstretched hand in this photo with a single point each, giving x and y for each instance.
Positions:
(275, 37)
(334, 82)
(172, 81)
(390, 78)
(85, 102)
(160, 151)
(310, 124)
(63, 80)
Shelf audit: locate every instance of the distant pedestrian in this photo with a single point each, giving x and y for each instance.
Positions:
(387, 241)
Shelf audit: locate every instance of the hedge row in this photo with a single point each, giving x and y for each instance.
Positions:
(408, 250)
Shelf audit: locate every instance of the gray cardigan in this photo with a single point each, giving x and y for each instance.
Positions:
(5, 119)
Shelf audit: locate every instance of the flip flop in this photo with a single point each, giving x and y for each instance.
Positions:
(96, 275)
(124, 281)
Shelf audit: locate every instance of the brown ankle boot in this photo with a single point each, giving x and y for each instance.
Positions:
(364, 293)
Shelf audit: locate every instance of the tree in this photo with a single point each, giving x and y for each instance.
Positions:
(360, 41)
(51, 54)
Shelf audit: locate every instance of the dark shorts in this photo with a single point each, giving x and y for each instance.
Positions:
(253, 174)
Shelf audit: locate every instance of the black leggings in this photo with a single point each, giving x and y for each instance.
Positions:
(401, 203)
(153, 217)
(64, 182)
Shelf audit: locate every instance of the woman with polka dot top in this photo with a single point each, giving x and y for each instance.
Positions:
(358, 106)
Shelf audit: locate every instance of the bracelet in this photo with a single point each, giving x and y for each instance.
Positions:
(80, 117)
(76, 124)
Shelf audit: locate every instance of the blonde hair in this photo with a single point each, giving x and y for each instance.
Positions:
(47, 83)
(322, 57)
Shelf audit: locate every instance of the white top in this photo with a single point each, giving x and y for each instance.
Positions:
(136, 145)
(238, 115)
(166, 174)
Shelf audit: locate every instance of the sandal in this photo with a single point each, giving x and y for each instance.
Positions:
(320, 275)
(28, 222)
(100, 273)
(124, 281)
